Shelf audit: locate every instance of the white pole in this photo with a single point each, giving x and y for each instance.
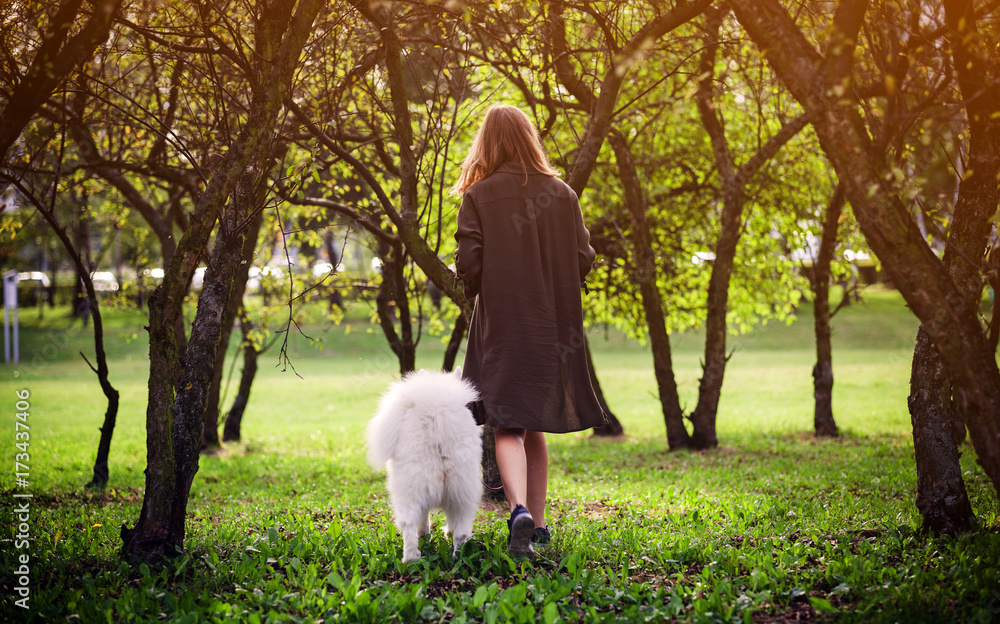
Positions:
(10, 303)
(17, 336)
(6, 326)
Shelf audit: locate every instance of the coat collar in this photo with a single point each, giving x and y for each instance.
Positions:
(517, 168)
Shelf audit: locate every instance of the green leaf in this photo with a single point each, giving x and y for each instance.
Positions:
(550, 613)
(480, 598)
(842, 588)
(822, 605)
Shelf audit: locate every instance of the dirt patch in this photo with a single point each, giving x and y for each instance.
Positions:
(83, 497)
(591, 510)
(799, 611)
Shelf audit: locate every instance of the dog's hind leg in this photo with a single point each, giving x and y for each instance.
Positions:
(425, 524)
(460, 526)
(411, 541)
(410, 518)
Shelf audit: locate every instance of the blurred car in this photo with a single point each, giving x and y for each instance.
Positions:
(321, 268)
(702, 257)
(104, 281)
(324, 268)
(33, 278)
(257, 274)
(156, 274)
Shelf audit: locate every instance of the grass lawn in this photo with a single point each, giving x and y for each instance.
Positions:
(291, 525)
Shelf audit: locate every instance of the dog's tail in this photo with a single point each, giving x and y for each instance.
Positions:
(383, 430)
(431, 391)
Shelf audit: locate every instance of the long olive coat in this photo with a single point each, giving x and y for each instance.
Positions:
(524, 250)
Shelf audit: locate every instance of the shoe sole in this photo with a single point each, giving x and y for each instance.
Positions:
(520, 537)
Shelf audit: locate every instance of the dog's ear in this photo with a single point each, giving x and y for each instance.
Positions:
(457, 372)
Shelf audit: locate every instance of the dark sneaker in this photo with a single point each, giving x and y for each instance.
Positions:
(522, 528)
(541, 536)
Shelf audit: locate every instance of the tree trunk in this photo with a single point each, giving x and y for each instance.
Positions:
(823, 421)
(254, 199)
(101, 473)
(210, 436)
(392, 291)
(920, 276)
(730, 223)
(451, 352)
(198, 364)
(234, 419)
(645, 274)
(407, 345)
(993, 278)
(175, 423)
(733, 181)
(941, 496)
(151, 538)
(81, 307)
(50, 294)
(938, 421)
(703, 418)
(613, 428)
(492, 483)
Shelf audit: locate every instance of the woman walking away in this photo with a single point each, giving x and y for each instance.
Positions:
(524, 250)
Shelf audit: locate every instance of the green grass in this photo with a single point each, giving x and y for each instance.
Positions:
(292, 525)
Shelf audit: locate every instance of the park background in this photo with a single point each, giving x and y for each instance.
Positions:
(193, 192)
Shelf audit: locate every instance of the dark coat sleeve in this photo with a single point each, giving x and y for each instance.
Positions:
(469, 256)
(587, 253)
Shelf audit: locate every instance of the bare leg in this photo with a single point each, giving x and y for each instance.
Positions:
(513, 465)
(537, 460)
(522, 458)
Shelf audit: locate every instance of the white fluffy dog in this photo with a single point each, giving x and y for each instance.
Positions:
(426, 438)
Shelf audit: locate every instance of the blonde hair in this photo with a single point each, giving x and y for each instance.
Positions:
(506, 135)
